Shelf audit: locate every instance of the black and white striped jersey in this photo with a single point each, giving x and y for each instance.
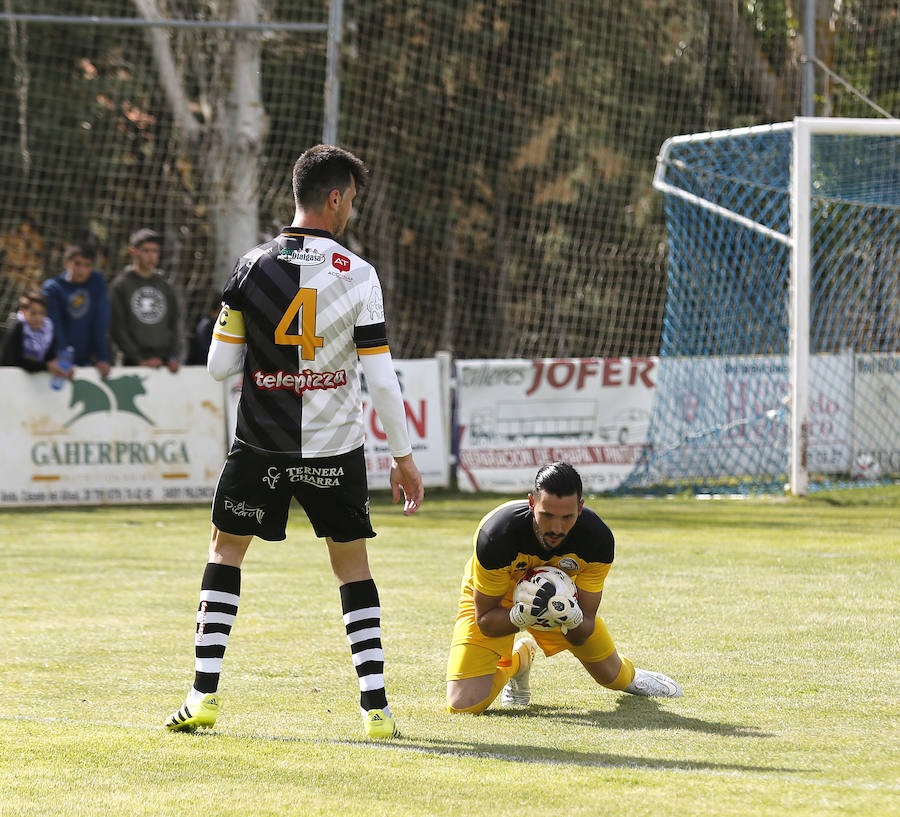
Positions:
(309, 308)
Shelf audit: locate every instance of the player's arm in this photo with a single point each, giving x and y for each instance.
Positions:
(370, 337)
(492, 617)
(491, 584)
(228, 345)
(589, 604)
(384, 390)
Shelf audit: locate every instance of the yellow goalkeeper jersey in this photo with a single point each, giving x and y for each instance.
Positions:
(506, 548)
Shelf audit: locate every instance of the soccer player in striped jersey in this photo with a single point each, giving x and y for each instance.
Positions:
(551, 527)
(300, 314)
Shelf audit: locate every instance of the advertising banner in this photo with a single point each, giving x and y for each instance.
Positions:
(876, 431)
(141, 435)
(516, 415)
(728, 416)
(426, 418)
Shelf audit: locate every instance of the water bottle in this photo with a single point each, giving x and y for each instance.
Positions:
(65, 363)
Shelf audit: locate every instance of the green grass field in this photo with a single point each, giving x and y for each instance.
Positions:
(779, 618)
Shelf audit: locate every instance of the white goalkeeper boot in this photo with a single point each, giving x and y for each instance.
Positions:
(649, 684)
(517, 691)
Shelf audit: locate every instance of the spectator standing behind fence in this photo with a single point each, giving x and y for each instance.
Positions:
(146, 317)
(78, 306)
(30, 341)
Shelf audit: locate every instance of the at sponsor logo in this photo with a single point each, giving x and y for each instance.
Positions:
(342, 275)
(243, 509)
(305, 257)
(306, 380)
(340, 262)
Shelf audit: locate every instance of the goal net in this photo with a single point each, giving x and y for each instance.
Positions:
(780, 351)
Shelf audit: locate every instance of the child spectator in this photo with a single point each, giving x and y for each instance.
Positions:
(78, 305)
(30, 341)
(145, 311)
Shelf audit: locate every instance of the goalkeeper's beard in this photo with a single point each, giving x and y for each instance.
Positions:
(548, 541)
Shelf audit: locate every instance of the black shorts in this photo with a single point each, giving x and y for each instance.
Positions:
(255, 490)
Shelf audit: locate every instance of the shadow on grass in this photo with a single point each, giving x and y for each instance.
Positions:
(523, 753)
(632, 712)
(515, 753)
(519, 752)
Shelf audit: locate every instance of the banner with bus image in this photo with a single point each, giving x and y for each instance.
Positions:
(516, 415)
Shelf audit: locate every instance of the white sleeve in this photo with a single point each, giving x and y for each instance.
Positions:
(225, 358)
(387, 400)
(227, 348)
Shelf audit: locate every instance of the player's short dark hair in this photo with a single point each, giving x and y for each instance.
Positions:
(324, 168)
(559, 479)
(84, 250)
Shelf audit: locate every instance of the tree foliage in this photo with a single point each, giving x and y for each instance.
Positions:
(512, 145)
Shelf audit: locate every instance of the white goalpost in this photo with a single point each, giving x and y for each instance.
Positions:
(805, 128)
(779, 357)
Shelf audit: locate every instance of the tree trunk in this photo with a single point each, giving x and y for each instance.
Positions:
(234, 203)
(227, 145)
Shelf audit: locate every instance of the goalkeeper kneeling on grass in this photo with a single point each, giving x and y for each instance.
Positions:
(500, 596)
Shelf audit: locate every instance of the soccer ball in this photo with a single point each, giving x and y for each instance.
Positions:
(565, 597)
(561, 580)
(865, 467)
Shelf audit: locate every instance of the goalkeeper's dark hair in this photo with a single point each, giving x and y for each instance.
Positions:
(324, 168)
(559, 479)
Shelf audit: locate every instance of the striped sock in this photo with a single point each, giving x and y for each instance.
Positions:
(362, 620)
(219, 596)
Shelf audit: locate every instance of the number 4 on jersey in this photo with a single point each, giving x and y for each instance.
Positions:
(304, 303)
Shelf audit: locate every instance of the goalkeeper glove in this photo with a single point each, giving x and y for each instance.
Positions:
(521, 617)
(535, 595)
(564, 612)
(531, 604)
